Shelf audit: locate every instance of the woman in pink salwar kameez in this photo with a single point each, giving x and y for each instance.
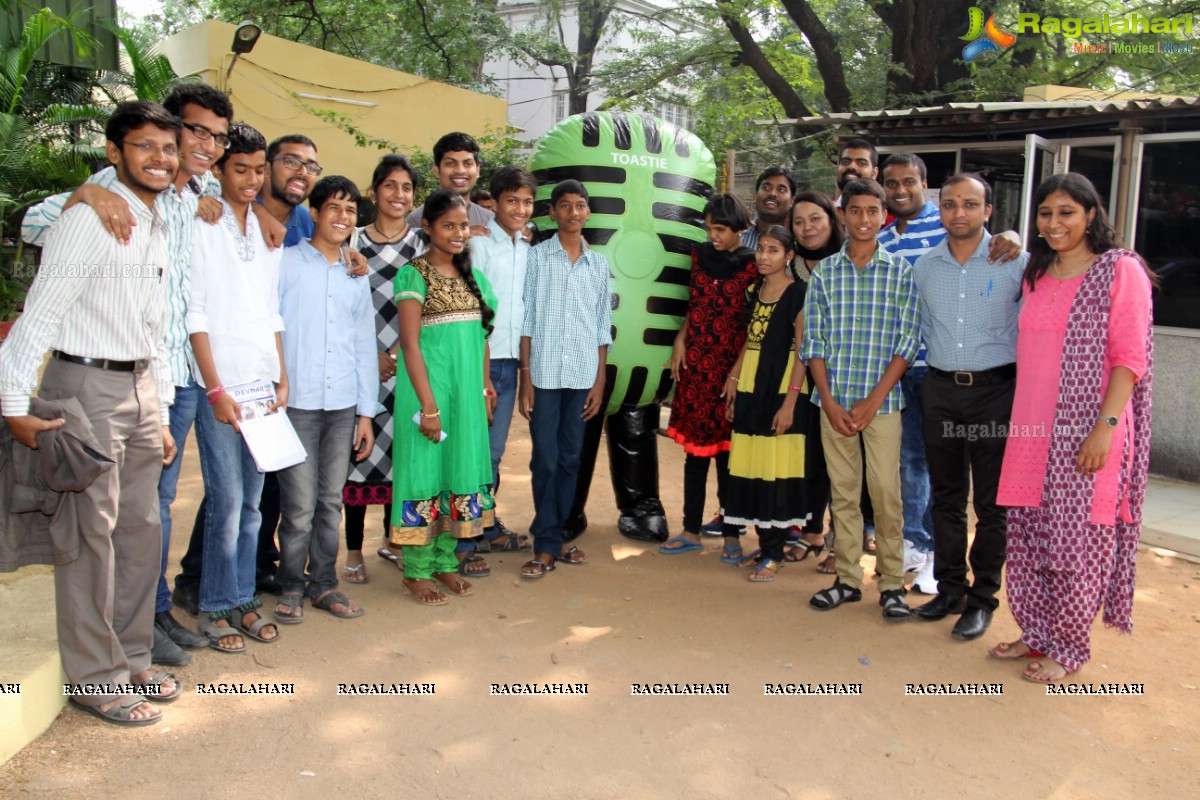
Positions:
(1075, 466)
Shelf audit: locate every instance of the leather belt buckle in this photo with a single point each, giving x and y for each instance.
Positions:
(964, 378)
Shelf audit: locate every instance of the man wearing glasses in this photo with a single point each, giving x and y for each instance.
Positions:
(292, 169)
(205, 113)
(100, 306)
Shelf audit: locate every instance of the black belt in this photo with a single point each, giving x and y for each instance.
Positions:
(1005, 372)
(103, 363)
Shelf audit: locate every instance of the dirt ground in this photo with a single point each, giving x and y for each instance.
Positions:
(635, 616)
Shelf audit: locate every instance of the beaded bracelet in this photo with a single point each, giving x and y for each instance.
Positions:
(732, 378)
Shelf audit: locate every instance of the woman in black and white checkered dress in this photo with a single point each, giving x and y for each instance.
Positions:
(388, 244)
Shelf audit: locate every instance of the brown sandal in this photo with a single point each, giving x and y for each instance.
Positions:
(425, 595)
(454, 583)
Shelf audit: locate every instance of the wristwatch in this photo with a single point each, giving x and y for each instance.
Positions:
(1111, 421)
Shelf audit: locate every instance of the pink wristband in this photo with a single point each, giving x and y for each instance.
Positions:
(213, 394)
(795, 388)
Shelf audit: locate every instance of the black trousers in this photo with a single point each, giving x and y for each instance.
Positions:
(695, 486)
(965, 429)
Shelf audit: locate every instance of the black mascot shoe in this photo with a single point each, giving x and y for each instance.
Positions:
(647, 522)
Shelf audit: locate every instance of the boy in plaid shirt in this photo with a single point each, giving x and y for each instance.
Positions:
(861, 331)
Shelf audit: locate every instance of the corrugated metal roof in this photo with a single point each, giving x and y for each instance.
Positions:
(998, 113)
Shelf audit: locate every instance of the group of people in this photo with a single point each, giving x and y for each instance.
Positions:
(884, 338)
(189, 276)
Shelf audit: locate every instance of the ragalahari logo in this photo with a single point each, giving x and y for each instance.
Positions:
(984, 37)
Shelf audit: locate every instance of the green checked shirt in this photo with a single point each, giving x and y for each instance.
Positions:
(856, 320)
(178, 210)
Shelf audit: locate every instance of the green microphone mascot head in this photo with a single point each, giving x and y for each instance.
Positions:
(648, 182)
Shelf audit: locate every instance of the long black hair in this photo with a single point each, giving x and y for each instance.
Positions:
(1100, 234)
(436, 205)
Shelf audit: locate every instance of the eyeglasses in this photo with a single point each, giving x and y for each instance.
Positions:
(168, 150)
(204, 134)
(294, 164)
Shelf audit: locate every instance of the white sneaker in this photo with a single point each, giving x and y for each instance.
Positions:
(924, 581)
(914, 559)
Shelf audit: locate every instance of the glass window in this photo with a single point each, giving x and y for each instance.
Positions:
(1168, 229)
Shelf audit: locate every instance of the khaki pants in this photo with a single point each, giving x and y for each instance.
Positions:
(105, 598)
(843, 460)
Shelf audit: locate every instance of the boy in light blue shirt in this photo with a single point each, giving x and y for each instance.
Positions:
(329, 350)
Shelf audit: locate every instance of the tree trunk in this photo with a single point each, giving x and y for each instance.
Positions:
(592, 14)
(926, 45)
(824, 45)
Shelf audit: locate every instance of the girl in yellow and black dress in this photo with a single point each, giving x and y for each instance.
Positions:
(767, 401)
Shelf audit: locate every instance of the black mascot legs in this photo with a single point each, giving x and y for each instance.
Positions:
(633, 463)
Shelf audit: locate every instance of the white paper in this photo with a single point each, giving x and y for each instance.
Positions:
(269, 436)
(417, 421)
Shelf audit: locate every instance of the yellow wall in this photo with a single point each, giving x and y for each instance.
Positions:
(410, 110)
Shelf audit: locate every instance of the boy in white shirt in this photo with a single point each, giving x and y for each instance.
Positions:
(234, 323)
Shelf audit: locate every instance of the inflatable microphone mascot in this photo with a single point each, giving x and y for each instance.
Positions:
(648, 182)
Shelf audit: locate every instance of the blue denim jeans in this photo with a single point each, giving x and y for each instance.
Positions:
(233, 485)
(183, 414)
(915, 488)
(503, 372)
(556, 429)
(310, 500)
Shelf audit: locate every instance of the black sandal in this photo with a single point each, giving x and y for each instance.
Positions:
(834, 596)
(573, 556)
(474, 559)
(894, 607)
(538, 568)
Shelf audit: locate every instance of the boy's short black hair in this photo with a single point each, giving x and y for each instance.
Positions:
(771, 172)
(859, 144)
(454, 142)
(479, 195)
(863, 187)
(509, 179)
(200, 94)
(905, 160)
(971, 176)
(332, 186)
(290, 138)
(727, 210)
(242, 139)
(133, 114)
(569, 186)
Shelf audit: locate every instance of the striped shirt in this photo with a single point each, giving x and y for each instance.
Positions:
(750, 236)
(922, 233)
(178, 210)
(503, 259)
(857, 320)
(93, 297)
(568, 315)
(969, 311)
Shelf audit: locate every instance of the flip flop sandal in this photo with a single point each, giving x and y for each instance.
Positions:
(765, 572)
(119, 714)
(515, 543)
(254, 629)
(684, 546)
(388, 555)
(466, 573)
(828, 566)
(355, 575)
(209, 627)
(327, 601)
(750, 560)
(155, 683)
(438, 599)
(538, 568)
(294, 603)
(999, 650)
(573, 556)
(454, 583)
(731, 555)
(834, 596)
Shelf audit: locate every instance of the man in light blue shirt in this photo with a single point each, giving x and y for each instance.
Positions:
(502, 257)
(333, 372)
(969, 314)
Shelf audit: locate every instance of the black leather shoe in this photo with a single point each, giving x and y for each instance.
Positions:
(166, 652)
(940, 607)
(972, 624)
(188, 598)
(267, 584)
(188, 640)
